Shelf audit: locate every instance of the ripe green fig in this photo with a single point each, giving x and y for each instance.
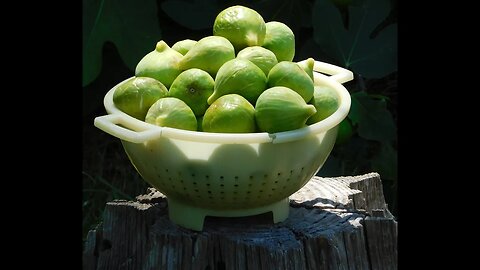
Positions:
(230, 113)
(160, 64)
(135, 96)
(172, 112)
(183, 46)
(279, 39)
(239, 76)
(263, 58)
(193, 86)
(209, 54)
(291, 75)
(325, 100)
(281, 109)
(307, 66)
(241, 25)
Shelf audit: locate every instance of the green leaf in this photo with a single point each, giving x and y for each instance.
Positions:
(131, 25)
(353, 47)
(385, 162)
(374, 121)
(195, 15)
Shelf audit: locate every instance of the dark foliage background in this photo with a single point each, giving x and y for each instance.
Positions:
(360, 35)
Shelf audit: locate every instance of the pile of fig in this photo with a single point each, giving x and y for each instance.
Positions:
(242, 79)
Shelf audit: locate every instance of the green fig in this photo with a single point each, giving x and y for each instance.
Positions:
(172, 112)
(307, 66)
(230, 113)
(281, 109)
(160, 64)
(291, 75)
(239, 76)
(279, 39)
(325, 100)
(193, 86)
(263, 58)
(135, 96)
(241, 25)
(209, 54)
(183, 46)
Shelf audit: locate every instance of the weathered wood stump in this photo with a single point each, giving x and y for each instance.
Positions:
(334, 223)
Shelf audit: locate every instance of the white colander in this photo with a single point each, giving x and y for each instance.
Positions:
(225, 174)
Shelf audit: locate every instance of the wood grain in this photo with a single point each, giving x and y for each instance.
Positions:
(334, 223)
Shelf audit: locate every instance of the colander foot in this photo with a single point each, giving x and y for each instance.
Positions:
(192, 217)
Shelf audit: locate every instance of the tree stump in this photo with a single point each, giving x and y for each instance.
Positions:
(334, 223)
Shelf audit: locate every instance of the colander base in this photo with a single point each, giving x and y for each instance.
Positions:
(192, 217)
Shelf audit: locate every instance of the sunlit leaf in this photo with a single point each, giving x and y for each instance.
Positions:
(131, 25)
(374, 121)
(354, 47)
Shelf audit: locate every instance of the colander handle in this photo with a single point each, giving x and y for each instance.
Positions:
(337, 73)
(131, 131)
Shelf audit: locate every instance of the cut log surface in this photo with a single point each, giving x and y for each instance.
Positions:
(334, 223)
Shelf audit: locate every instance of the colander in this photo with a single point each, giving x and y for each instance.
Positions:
(226, 174)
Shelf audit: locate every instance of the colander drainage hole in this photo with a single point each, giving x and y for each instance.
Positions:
(236, 185)
(193, 175)
(206, 176)
(279, 173)
(208, 184)
(276, 182)
(166, 170)
(221, 192)
(251, 177)
(236, 177)
(209, 191)
(196, 190)
(222, 185)
(194, 183)
(221, 177)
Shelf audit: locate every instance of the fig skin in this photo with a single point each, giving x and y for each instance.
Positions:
(326, 102)
(239, 76)
(281, 109)
(230, 113)
(160, 64)
(171, 112)
(263, 58)
(280, 39)
(307, 66)
(183, 46)
(209, 54)
(241, 25)
(135, 96)
(193, 86)
(291, 75)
